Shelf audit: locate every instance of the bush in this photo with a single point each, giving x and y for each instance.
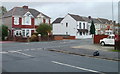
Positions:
(44, 29)
(33, 38)
(3, 32)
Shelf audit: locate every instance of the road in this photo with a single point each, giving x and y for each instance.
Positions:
(34, 57)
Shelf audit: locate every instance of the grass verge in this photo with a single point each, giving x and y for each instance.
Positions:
(115, 50)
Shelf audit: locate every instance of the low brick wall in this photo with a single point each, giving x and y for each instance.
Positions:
(69, 37)
(98, 37)
(58, 37)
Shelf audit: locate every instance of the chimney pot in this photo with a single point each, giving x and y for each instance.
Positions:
(25, 7)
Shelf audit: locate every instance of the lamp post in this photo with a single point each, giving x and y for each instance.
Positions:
(39, 35)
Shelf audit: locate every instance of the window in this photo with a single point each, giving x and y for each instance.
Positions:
(26, 20)
(66, 24)
(66, 33)
(23, 33)
(16, 20)
(80, 33)
(17, 33)
(27, 32)
(79, 25)
(83, 25)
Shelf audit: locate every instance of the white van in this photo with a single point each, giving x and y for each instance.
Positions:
(110, 40)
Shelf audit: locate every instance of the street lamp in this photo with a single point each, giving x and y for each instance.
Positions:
(39, 35)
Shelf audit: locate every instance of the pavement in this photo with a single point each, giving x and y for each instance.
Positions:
(6, 41)
(87, 50)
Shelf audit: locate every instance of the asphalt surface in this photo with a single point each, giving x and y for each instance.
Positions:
(34, 57)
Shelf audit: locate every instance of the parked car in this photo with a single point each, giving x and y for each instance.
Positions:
(110, 40)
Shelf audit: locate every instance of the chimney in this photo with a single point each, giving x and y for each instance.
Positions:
(89, 17)
(25, 7)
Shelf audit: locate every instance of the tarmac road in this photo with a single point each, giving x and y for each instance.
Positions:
(33, 57)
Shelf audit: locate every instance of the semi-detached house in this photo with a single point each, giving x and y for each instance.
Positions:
(23, 20)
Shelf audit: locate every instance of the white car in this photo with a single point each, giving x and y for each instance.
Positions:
(110, 40)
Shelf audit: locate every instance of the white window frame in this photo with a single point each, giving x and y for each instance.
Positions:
(16, 20)
(26, 20)
(25, 32)
(17, 31)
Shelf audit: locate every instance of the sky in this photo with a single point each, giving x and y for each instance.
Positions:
(55, 9)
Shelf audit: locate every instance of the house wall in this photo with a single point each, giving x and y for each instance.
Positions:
(71, 29)
(7, 21)
(61, 29)
(58, 29)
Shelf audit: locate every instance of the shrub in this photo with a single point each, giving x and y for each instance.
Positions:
(33, 38)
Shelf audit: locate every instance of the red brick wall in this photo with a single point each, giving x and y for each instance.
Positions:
(98, 37)
(70, 37)
(58, 37)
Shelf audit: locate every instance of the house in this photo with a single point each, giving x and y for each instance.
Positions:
(79, 26)
(23, 20)
(107, 26)
(73, 25)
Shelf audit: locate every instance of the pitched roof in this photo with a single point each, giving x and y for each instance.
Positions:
(96, 20)
(86, 19)
(58, 20)
(104, 21)
(76, 17)
(20, 11)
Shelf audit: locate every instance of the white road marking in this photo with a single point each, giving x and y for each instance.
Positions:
(24, 54)
(3, 52)
(80, 68)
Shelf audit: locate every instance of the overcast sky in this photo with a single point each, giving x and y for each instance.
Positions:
(60, 9)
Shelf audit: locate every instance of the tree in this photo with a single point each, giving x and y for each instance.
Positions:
(44, 29)
(3, 10)
(92, 28)
(3, 31)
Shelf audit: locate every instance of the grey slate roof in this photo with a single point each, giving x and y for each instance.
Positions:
(104, 21)
(58, 20)
(76, 17)
(96, 20)
(21, 11)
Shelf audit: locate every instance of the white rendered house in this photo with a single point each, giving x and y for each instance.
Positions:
(73, 25)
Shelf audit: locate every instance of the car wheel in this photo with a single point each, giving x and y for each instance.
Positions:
(102, 43)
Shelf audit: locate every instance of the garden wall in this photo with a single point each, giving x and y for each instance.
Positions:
(98, 37)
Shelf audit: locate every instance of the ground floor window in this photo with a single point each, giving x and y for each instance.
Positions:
(23, 32)
(83, 33)
(17, 32)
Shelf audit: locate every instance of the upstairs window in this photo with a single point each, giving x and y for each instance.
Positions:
(83, 25)
(26, 20)
(79, 25)
(66, 24)
(16, 20)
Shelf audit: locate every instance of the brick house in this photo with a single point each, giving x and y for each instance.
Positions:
(23, 20)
